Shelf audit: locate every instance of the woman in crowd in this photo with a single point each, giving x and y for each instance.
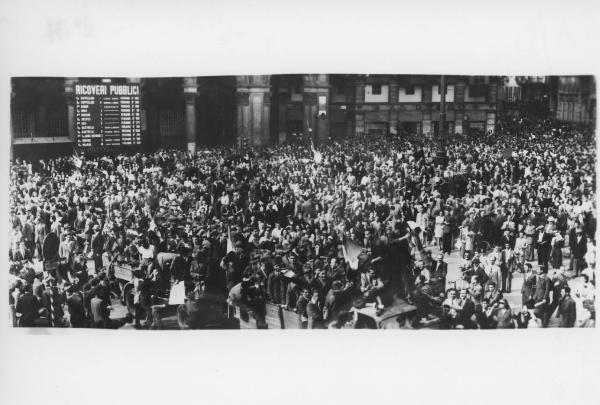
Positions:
(503, 315)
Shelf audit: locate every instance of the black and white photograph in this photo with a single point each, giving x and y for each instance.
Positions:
(299, 202)
(303, 202)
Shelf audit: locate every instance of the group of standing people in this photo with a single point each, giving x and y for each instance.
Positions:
(316, 236)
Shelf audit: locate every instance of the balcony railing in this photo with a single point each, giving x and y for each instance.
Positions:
(521, 80)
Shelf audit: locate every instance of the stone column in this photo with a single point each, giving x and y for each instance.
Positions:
(459, 106)
(190, 93)
(253, 110)
(458, 123)
(427, 128)
(359, 103)
(315, 91)
(490, 123)
(69, 95)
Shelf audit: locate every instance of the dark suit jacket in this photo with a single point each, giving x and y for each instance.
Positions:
(566, 312)
(98, 243)
(579, 249)
(276, 288)
(527, 288)
(542, 289)
(439, 269)
(18, 256)
(76, 310)
(543, 247)
(493, 296)
(28, 306)
(466, 312)
(100, 313)
(314, 315)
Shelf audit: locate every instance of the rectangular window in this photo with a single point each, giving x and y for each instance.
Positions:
(377, 93)
(322, 105)
(295, 87)
(436, 95)
(296, 90)
(171, 123)
(478, 90)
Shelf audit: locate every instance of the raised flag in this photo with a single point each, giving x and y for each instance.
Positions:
(318, 157)
(177, 294)
(230, 247)
(351, 252)
(412, 225)
(76, 160)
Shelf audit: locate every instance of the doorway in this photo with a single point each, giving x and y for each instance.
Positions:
(377, 129)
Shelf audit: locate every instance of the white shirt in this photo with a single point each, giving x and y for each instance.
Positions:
(146, 253)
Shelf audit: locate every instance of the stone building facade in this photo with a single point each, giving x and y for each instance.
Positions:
(576, 99)
(197, 112)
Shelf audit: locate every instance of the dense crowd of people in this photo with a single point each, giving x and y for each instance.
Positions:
(320, 233)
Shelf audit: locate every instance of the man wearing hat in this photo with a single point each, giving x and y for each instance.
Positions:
(541, 296)
(542, 243)
(97, 247)
(438, 275)
(567, 313)
(530, 233)
(40, 234)
(28, 307)
(578, 245)
(276, 284)
(334, 302)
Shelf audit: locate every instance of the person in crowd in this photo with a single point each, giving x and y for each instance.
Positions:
(492, 294)
(464, 282)
(100, 309)
(301, 306)
(530, 235)
(520, 251)
(424, 298)
(478, 319)
(438, 275)
(503, 315)
(494, 272)
(543, 240)
(314, 312)
(438, 232)
(556, 253)
(522, 318)
(528, 287)
(509, 264)
(566, 309)
(77, 317)
(276, 287)
(447, 233)
(557, 281)
(466, 309)
(371, 285)
(541, 297)
(28, 308)
(53, 301)
(578, 245)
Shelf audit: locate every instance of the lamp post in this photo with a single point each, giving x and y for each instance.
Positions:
(441, 157)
